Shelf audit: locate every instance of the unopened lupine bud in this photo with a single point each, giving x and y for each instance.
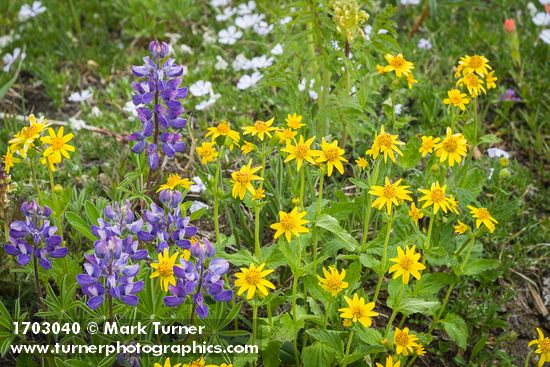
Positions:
(158, 49)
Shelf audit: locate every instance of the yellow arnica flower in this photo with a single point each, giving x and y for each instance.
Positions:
(251, 279)
(164, 269)
(242, 180)
(333, 281)
(490, 80)
(457, 99)
(461, 228)
(167, 364)
(285, 135)
(291, 224)
(415, 214)
(221, 365)
(404, 342)
(57, 144)
(543, 349)
(223, 129)
(247, 147)
(358, 310)
(385, 143)
(411, 80)
(259, 194)
(389, 363)
(50, 161)
(260, 128)
(362, 163)
(474, 64)
(435, 196)
(9, 160)
(453, 204)
(174, 180)
(301, 151)
(420, 350)
(428, 144)
(407, 264)
(207, 151)
(380, 69)
(294, 121)
(25, 138)
(398, 64)
(196, 363)
(389, 194)
(482, 215)
(331, 154)
(452, 148)
(473, 83)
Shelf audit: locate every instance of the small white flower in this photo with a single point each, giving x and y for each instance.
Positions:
(240, 63)
(335, 45)
(277, 50)
(198, 185)
(263, 28)
(196, 206)
(368, 31)
(205, 104)
(221, 64)
(230, 35)
(302, 87)
(219, 3)
(186, 49)
(248, 20)
(249, 81)
(542, 19)
(545, 36)
(285, 20)
(5, 40)
(410, 2)
(77, 124)
(261, 62)
(173, 38)
(200, 88)
(130, 108)
(208, 38)
(497, 153)
(383, 31)
(424, 44)
(227, 13)
(81, 96)
(9, 59)
(31, 11)
(532, 9)
(544, 2)
(398, 109)
(246, 8)
(96, 112)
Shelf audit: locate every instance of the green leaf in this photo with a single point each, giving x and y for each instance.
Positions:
(411, 155)
(431, 283)
(456, 328)
(318, 354)
(478, 266)
(370, 336)
(360, 183)
(80, 225)
(331, 224)
(91, 212)
(489, 139)
(409, 306)
(6, 87)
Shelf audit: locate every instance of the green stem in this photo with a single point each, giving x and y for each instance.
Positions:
(468, 253)
(317, 213)
(394, 309)
(254, 321)
(384, 259)
(368, 208)
(302, 186)
(348, 346)
(37, 283)
(217, 196)
(429, 235)
(393, 97)
(528, 358)
(296, 277)
(257, 244)
(34, 180)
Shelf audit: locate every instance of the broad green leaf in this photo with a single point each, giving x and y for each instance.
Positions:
(370, 336)
(91, 212)
(318, 354)
(431, 283)
(80, 225)
(478, 266)
(409, 306)
(456, 328)
(331, 224)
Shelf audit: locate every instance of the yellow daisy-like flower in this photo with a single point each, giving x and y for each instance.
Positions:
(260, 128)
(474, 64)
(242, 180)
(221, 365)
(453, 204)
(174, 180)
(223, 129)
(452, 148)
(420, 350)
(362, 163)
(259, 194)
(389, 363)
(301, 151)
(331, 153)
(380, 69)
(294, 121)
(435, 196)
(358, 310)
(247, 147)
(428, 144)
(490, 80)
(457, 99)
(482, 215)
(404, 342)
(164, 269)
(167, 364)
(285, 135)
(207, 151)
(196, 363)
(407, 264)
(411, 80)
(461, 228)
(385, 143)
(333, 281)
(9, 160)
(415, 214)
(291, 224)
(389, 194)
(398, 64)
(50, 161)
(25, 138)
(251, 279)
(473, 83)
(543, 344)
(57, 144)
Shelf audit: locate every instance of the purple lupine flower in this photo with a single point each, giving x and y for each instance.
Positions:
(35, 236)
(158, 94)
(114, 263)
(509, 95)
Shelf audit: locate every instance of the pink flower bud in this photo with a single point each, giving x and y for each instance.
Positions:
(510, 25)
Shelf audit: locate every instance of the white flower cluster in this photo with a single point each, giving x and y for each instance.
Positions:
(541, 19)
(204, 88)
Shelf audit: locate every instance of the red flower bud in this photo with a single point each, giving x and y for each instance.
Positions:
(510, 25)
